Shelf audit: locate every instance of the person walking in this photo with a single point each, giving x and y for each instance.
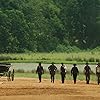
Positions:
(87, 71)
(40, 71)
(98, 73)
(52, 69)
(63, 72)
(74, 72)
(10, 73)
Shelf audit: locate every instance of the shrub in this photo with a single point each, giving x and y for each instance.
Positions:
(5, 58)
(91, 60)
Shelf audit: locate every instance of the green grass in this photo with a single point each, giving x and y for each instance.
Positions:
(47, 76)
(78, 57)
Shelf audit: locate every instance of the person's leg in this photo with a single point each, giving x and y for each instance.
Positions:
(86, 79)
(53, 78)
(74, 76)
(98, 78)
(39, 77)
(62, 78)
(9, 75)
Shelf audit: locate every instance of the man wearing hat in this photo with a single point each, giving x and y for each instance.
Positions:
(87, 71)
(74, 72)
(63, 72)
(52, 69)
(40, 71)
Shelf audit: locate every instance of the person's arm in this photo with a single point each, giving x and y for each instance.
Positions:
(65, 69)
(55, 68)
(42, 70)
(49, 67)
(89, 69)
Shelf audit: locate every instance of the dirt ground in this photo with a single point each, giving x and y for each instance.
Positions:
(30, 89)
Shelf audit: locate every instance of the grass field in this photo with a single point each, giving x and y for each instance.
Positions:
(79, 57)
(57, 76)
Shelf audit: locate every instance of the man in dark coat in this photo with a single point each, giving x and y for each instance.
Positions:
(63, 72)
(74, 72)
(87, 71)
(40, 71)
(52, 69)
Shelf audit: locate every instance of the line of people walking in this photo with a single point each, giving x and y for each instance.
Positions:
(63, 71)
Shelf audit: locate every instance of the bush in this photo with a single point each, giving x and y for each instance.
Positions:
(91, 60)
(5, 58)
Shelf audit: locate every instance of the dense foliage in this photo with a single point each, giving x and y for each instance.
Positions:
(49, 25)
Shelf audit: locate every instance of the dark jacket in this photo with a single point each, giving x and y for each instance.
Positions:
(87, 69)
(63, 70)
(74, 71)
(40, 70)
(52, 69)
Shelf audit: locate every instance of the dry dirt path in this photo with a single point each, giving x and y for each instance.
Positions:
(30, 89)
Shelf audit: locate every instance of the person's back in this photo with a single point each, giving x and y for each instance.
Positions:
(39, 69)
(63, 69)
(74, 70)
(52, 68)
(87, 69)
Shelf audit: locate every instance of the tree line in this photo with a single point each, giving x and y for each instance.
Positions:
(49, 25)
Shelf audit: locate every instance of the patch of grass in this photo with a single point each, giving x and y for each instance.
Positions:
(28, 75)
(79, 57)
(57, 76)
